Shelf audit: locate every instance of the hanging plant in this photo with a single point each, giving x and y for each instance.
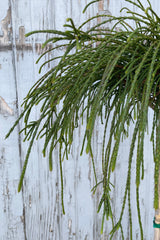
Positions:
(107, 74)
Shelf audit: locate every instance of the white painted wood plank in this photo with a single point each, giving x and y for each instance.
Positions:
(39, 205)
(11, 211)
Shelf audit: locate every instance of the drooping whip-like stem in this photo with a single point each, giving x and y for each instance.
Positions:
(157, 216)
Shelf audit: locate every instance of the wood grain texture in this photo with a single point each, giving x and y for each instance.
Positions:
(35, 213)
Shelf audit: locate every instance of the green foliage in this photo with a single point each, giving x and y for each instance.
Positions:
(105, 73)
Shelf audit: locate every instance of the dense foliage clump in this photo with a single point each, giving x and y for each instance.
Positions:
(114, 75)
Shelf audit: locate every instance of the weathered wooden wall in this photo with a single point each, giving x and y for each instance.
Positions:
(35, 213)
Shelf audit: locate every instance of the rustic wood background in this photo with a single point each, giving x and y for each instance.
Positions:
(35, 213)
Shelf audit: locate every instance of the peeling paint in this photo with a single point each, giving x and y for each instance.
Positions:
(103, 10)
(40, 50)
(50, 229)
(22, 218)
(101, 5)
(4, 108)
(2, 156)
(21, 45)
(21, 35)
(30, 200)
(6, 29)
(26, 47)
(70, 226)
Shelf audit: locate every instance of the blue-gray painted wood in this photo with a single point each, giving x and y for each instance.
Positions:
(35, 213)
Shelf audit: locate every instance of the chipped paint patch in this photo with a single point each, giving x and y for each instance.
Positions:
(4, 108)
(21, 45)
(21, 35)
(101, 5)
(6, 29)
(70, 225)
